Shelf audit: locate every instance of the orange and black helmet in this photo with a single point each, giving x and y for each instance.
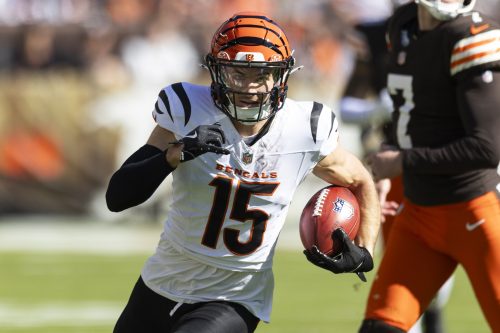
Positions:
(250, 40)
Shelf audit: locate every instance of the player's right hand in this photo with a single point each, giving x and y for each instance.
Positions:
(351, 259)
(387, 208)
(201, 140)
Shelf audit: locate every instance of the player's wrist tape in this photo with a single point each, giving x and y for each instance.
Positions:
(138, 178)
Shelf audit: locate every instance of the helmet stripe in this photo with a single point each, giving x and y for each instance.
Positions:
(259, 17)
(251, 41)
(255, 17)
(258, 27)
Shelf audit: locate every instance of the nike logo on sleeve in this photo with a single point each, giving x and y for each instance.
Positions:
(475, 30)
(472, 226)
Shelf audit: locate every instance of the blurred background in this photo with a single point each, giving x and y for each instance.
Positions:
(78, 82)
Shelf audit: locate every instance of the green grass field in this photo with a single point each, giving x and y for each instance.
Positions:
(70, 293)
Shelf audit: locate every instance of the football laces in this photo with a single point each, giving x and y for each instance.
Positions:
(318, 207)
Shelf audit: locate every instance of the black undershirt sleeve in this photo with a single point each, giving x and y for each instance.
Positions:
(137, 179)
(479, 108)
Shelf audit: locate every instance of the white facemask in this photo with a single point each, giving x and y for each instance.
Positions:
(445, 11)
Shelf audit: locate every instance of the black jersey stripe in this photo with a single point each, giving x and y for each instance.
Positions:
(315, 113)
(164, 98)
(186, 104)
(157, 108)
(332, 123)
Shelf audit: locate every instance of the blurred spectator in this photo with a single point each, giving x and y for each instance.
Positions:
(20, 12)
(363, 96)
(102, 60)
(163, 54)
(36, 48)
(130, 15)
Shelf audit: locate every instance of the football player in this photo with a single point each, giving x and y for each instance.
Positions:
(237, 150)
(444, 80)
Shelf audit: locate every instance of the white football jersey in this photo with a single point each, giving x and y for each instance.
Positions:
(228, 210)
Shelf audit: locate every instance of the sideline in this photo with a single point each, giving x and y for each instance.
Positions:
(79, 314)
(84, 235)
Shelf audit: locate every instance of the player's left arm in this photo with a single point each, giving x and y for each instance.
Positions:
(478, 101)
(342, 168)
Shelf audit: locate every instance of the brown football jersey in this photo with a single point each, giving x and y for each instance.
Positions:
(445, 87)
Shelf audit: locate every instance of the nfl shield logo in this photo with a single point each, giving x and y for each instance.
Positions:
(247, 158)
(344, 208)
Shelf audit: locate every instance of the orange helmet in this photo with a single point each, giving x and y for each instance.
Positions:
(250, 40)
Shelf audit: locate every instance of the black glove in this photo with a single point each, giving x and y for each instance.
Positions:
(351, 259)
(201, 140)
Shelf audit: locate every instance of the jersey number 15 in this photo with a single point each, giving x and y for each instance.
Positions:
(239, 212)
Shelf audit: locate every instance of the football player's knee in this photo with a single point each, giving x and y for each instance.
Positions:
(378, 326)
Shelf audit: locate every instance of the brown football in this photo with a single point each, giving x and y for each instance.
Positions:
(328, 209)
